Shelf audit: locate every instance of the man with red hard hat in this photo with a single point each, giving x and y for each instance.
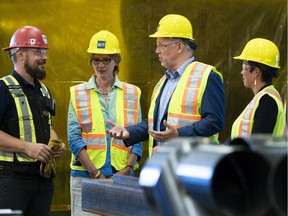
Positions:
(25, 127)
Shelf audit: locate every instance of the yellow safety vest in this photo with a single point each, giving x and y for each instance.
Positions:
(88, 110)
(25, 117)
(244, 123)
(186, 100)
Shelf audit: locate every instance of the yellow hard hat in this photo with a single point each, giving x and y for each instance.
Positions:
(104, 42)
(262, 51)
(174, 26)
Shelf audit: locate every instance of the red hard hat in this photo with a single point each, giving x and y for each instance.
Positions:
(28, 36)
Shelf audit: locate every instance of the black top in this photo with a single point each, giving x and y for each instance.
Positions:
(265, 115)
(8, 113)
(9, 123)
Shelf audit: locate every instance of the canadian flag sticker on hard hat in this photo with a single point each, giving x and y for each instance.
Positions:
(44, 38)
(101, 44)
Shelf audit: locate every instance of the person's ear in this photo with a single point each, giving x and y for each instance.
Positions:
(180, 47)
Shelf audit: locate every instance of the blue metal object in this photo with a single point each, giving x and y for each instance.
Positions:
(190, 176)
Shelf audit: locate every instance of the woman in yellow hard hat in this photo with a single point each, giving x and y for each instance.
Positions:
(265, 113)
(95, 155)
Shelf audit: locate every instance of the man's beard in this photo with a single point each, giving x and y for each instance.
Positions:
(35, 72)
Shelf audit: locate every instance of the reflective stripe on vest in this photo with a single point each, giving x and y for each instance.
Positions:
(130, 109)
(83, 107)
(244, 123)
(186, 100)
(87, 106)
(25, 117)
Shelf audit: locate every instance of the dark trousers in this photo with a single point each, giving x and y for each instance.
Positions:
(32, 196)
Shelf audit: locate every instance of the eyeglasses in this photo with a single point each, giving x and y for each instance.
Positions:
(161, 46)
(39, 52)
(97, 61)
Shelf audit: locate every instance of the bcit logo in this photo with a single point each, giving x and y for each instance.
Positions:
(101, 44)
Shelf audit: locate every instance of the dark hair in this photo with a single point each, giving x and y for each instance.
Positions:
(268, 73)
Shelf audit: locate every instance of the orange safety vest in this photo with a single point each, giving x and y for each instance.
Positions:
(88, 110)
(186, 100)
(244, 123)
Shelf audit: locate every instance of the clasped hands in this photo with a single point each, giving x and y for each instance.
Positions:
(44, 153)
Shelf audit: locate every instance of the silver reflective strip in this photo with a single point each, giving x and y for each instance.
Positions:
(180, 122)
(6, 156)
(44, 91)
(150, 126)
(193, 87)
(23, 157)
(119, 142)
(246, 117)
(16, 90)
(82, 99)
(132, 101)
(94, 141)
(276, 94)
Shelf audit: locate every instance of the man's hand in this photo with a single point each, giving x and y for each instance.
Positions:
(39, 151)
(60, 151)
(117, 131)
(162, 136)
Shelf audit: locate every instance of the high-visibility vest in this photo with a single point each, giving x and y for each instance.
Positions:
(88, 110)
(244, 123)
(186, 100)
(25, 117)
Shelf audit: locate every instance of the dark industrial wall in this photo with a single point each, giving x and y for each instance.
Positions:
(221, 30)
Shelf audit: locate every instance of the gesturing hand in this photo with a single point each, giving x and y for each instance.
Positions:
(117, 131)
(162, 136)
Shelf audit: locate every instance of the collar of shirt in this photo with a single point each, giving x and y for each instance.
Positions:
(92, 83)
(180, 70)
(21, 79)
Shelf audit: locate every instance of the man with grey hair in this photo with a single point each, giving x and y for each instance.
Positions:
(188, 100)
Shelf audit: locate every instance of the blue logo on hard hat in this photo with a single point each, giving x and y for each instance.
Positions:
(101, 44)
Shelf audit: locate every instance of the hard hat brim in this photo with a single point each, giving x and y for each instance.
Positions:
(254, 60)
(98, 51)
(12, 47)
(157, 35)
